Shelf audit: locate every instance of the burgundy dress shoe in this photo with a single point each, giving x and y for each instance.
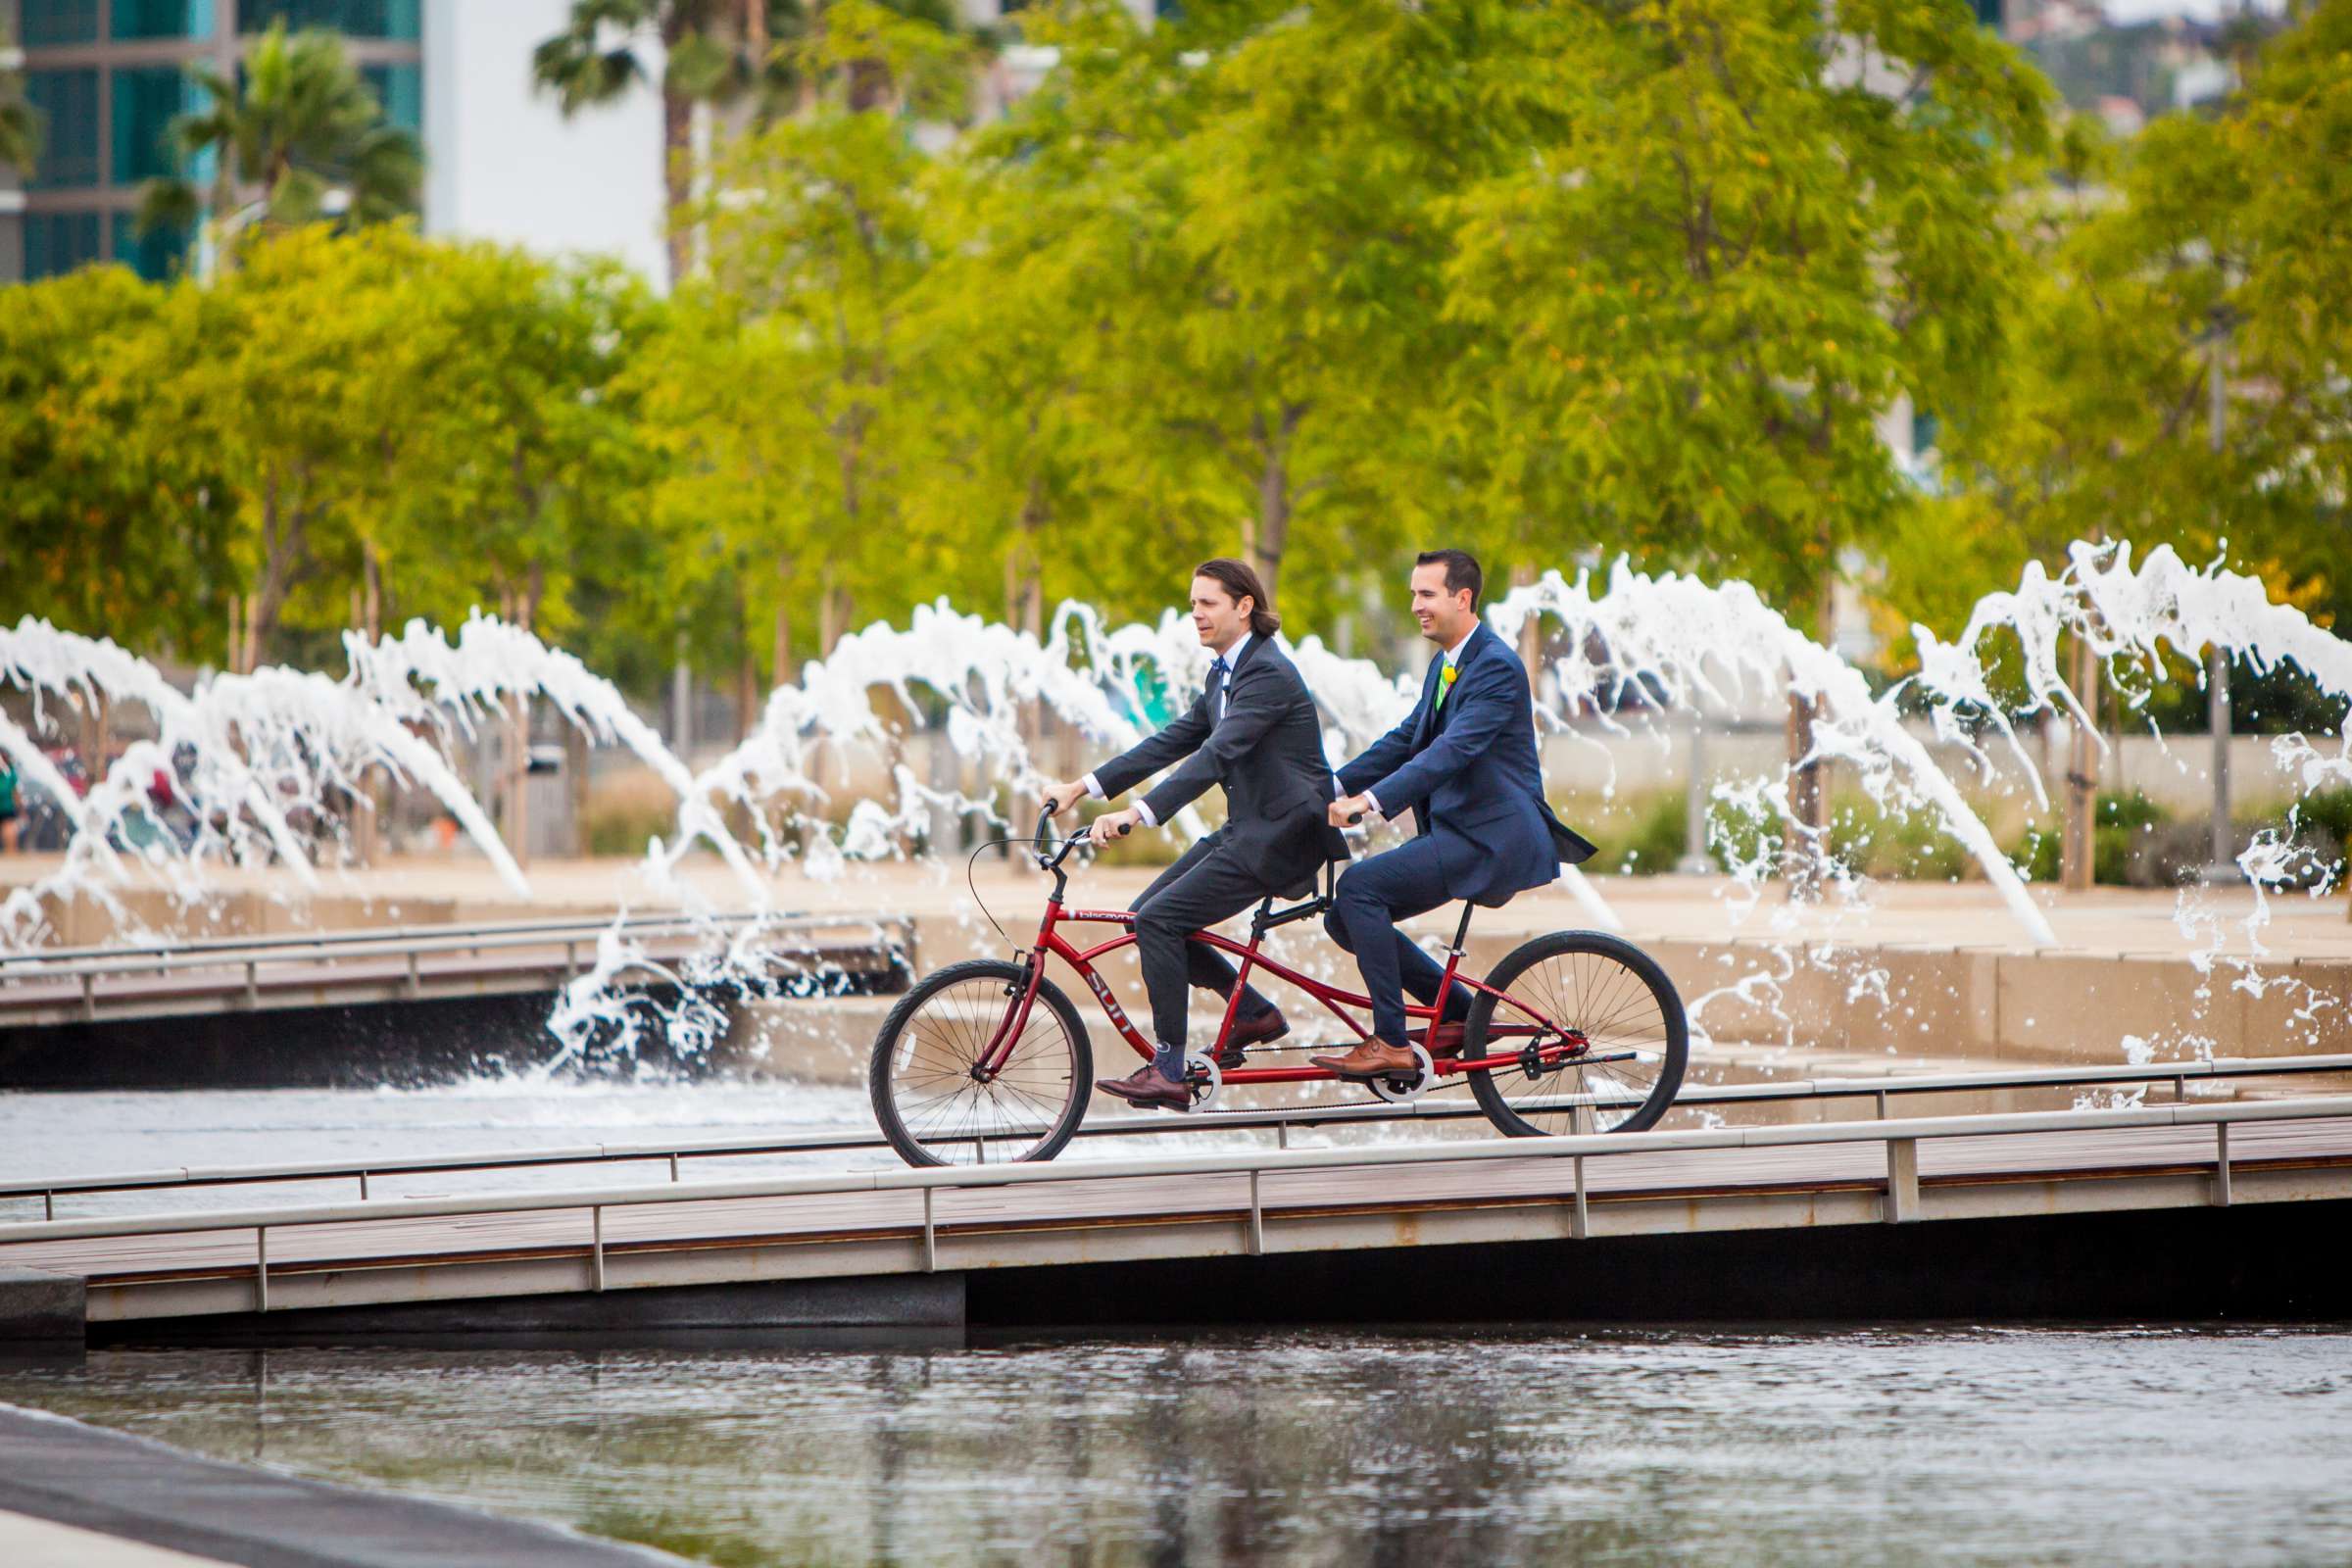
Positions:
(1145, 1087)
(1374, 1059)
(1267, 1026)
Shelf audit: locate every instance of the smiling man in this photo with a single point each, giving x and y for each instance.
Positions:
(1255, 731)
(1464, 761)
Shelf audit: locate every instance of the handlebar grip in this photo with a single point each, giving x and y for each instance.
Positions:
(1126, 828)
(1355, 820)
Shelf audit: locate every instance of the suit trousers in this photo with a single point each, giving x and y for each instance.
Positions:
(1209, 883)
(1372, 897)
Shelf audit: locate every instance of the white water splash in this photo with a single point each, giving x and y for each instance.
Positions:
(1692, 640)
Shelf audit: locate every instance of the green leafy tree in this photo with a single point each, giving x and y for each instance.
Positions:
(2178, 372)
(1016, 337)
(19, 122)
(772, 52)
(1755, 228)
(109, 524)
(297, 136)
(816, 237)
(1247, 190)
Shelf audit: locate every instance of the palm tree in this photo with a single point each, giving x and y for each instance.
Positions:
(304, 138)
(19, 122)
(714, 51)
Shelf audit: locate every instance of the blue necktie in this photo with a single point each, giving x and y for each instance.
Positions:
(1219, 669)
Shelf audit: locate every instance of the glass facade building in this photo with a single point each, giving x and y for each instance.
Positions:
(110, 78)
(162, 19)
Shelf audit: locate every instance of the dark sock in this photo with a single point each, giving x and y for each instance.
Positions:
(1170, 1064)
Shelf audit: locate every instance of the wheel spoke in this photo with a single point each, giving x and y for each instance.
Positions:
(924, 1072)
(1602, 990)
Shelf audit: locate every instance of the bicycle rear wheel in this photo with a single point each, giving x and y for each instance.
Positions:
(927, 1098)
(1584, 985)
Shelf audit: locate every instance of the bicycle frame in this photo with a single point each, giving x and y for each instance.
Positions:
(1050, 940)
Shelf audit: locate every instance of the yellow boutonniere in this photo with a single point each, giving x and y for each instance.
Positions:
(1447, 680)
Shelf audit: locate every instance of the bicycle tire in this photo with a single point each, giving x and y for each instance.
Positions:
(951, 1048)
(1599, 997)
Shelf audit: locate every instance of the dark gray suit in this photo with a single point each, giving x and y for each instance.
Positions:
(1266, 749)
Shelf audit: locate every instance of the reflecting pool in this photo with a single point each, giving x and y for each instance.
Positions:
(1422, 1447)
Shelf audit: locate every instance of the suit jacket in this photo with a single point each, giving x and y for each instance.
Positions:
(1471, 776)
(1267, 751)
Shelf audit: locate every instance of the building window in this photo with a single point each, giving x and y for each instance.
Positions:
(55, 22)
(361, 19)
(68, 104)
(401, 90)
(163, 19)
(146, 102)
(59, 242)
(155, 256)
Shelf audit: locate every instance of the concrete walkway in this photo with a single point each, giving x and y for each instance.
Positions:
(2105, 920)
(78, 1494)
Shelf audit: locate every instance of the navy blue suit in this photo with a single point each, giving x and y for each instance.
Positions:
(1470, 774)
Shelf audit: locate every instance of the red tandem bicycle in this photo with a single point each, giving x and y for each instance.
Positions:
(1574, 1031)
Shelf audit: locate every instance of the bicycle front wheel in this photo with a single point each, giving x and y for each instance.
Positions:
(936, 1109)
(1601, 1034)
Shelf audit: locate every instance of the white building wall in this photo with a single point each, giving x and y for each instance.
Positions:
(504, 163)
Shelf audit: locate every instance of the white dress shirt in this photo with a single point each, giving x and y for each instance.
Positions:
(1233, 659)
(1453, 659)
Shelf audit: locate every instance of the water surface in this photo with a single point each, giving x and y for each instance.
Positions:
(1942, 1446)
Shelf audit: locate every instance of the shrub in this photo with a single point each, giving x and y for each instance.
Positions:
(621, 817)
(2331, 809)
(2121, 823)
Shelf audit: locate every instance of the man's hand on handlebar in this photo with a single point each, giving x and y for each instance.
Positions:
(1348, 811)
(1059, 797)
(1115, 825)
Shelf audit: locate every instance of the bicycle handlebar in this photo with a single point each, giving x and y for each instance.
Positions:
(1043, 835)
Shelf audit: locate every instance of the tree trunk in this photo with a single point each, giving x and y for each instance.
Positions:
(93, 737)
(576, 778)
(833, 612)
(371, 591)
(516, 829)
(2076, 858)
(367, 814)
(781, 658)
(677, 177)
(1272, 530)
(747, 684)
(1531, 630)
(1802, 853)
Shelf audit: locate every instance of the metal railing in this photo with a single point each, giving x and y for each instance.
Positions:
(46, 979)
(1901, 1139)
(41, 963)
(1281, 1121)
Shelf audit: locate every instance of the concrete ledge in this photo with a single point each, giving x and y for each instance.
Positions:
(37, 1304)
(137, 1490)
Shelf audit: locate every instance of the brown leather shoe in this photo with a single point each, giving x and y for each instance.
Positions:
(1257, 1031)
(1145, 1087)
(1374, 1059)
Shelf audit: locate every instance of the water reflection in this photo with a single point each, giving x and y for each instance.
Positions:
(1974, 1446)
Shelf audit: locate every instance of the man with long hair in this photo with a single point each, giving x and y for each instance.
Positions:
(1255, 731)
